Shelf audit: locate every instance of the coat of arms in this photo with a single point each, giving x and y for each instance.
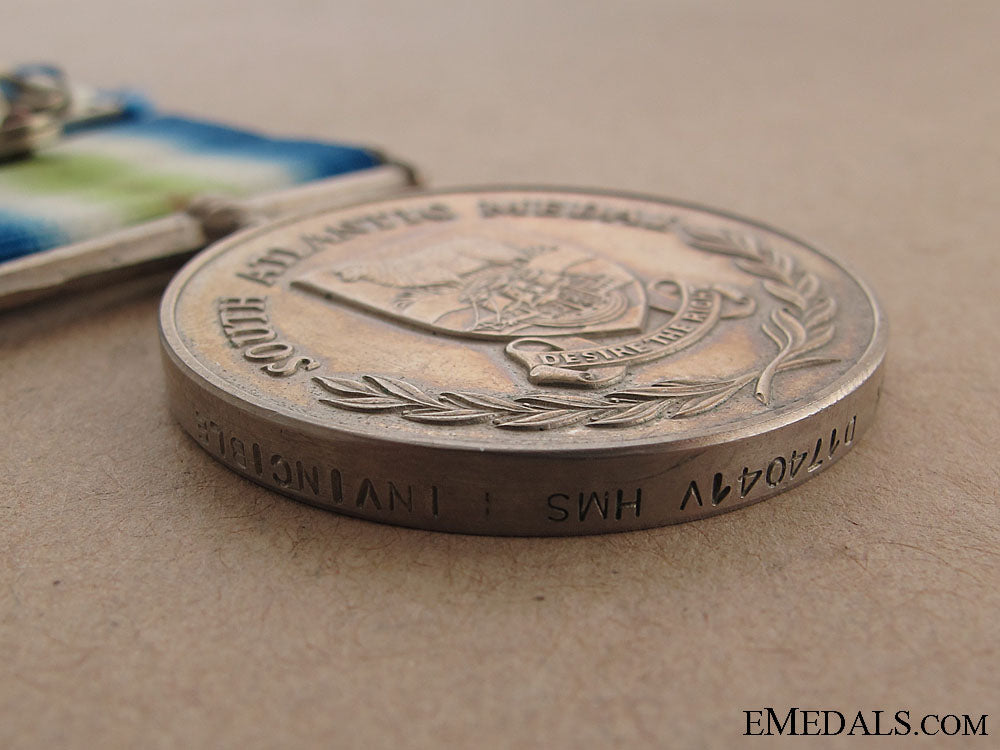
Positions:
(571, 317)
(567, 315)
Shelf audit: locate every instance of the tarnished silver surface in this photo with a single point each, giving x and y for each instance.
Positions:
(522, 361)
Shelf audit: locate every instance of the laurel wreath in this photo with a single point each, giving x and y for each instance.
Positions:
(798, 325)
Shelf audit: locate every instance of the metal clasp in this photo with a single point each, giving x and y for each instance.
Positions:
(34, 101)
(37, 103)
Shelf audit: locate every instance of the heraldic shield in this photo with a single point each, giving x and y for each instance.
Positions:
(548, 302)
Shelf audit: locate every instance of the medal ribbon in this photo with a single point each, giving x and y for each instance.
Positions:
(138, 166)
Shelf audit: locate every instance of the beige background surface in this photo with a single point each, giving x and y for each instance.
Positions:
(150, 598)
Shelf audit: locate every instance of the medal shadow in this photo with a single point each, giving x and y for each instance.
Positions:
(631, 582)
(62, 313)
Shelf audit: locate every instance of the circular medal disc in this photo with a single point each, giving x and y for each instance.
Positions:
(522, 361)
